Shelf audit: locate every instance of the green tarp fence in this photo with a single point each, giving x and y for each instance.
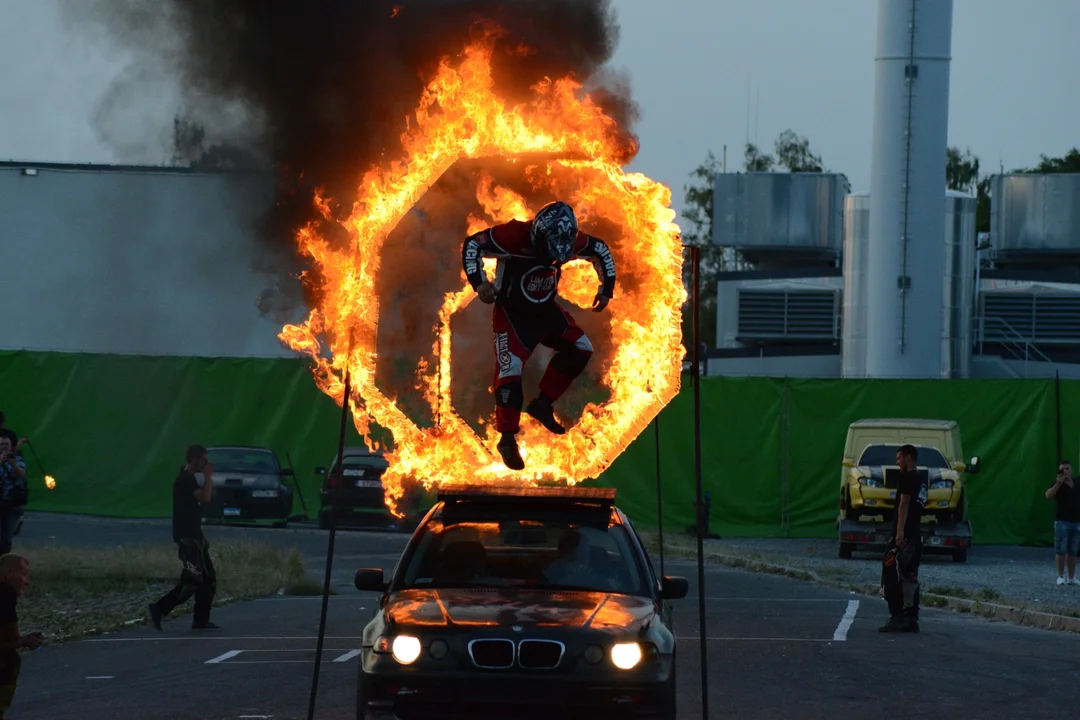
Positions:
(112, 431)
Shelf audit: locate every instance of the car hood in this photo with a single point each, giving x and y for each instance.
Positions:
(493, 608)
(877, 472)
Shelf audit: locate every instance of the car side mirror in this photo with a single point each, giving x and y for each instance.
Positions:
(849, 463)
(287, 472)
(320, 470)
(673, 588)
(370, 579)
(973, 466)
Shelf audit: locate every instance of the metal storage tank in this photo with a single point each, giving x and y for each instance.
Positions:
(856, 240)
(780, 218)
(958, 293)
(907, 181)
(1037, 216)
(958, 287)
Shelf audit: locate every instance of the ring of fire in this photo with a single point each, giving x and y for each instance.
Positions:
(644, 318)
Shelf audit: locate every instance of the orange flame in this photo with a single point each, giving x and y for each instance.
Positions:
(50, 482)
(461, 117)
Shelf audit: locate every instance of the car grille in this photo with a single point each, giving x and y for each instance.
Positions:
(495, 654)
(540, 654)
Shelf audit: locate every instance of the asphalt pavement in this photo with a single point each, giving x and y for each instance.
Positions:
(776, 648)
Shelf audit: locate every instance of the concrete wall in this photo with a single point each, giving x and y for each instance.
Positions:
(139, 261)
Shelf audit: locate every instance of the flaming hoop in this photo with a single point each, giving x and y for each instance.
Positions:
(460, 117)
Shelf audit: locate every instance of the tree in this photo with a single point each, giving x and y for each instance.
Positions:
(699, 215)
(755, 161)
(962, 175)
(792, 153)
(189, 149)
(961, 171)
(1070, 163)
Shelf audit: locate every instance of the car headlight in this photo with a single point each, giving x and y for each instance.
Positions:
(405, 649)
(941, 484)
(871, 482)
(626, 655)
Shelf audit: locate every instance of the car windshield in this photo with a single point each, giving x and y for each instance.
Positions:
(537, 554)
(875, 455)
(241, 460)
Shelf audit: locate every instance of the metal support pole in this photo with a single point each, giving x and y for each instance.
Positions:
(1057, 403)
(345, 405)
(660, 495)
(702, 634)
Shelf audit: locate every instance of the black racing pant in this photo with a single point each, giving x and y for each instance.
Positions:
(197, 578)
(900, 573)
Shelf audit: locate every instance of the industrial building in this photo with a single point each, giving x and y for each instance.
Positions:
(1010, 299)
(895, 282)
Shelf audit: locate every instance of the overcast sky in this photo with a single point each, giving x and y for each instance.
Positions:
(696, 66)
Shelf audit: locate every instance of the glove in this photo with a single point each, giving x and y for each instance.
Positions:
(486, 291)
(600, 302)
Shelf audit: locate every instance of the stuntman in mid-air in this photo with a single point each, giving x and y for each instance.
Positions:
(530, 259)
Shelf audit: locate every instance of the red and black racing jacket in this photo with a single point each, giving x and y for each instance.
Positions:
(522, 278)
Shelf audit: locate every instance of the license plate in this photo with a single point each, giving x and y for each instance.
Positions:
(264, 493)
(232, 511)
(369, 483)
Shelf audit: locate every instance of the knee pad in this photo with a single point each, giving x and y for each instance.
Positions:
(510, 395)
(571, 362)
(911, 587)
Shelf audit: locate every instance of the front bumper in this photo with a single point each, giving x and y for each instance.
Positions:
(242, 505)
(870, 500)
(498, 695)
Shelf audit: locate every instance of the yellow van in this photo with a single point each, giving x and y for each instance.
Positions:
(868, 478)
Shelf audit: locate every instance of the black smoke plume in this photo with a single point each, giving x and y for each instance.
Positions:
(319, 90)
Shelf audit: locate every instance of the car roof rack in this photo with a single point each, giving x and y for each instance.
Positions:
(532, 495)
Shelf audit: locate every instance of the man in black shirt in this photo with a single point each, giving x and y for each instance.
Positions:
(14, 578)
(1066, 494)
(197, 577)
(900, 566)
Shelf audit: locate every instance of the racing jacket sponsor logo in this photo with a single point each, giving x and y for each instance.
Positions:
(538, 283)
(605, 256)
(502, 348)
(472, 256)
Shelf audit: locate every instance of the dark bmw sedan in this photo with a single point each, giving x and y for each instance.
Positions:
(520, 603)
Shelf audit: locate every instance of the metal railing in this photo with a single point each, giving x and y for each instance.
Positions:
(1006, 336)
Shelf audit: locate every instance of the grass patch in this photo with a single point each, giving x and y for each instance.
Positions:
(951, 591)
(76, 591)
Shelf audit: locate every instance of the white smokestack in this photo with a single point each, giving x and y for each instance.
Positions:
(905, 258)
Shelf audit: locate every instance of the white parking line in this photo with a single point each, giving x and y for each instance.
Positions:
(347, 656)
(845, 622)
(224, 656)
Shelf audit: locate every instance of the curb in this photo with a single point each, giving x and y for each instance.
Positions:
(992, 611)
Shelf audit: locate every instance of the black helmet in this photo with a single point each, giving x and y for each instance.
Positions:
(554, 231)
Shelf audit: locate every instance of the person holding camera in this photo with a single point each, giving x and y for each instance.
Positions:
(12, 491)
(1066, 522)
(197, 577)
